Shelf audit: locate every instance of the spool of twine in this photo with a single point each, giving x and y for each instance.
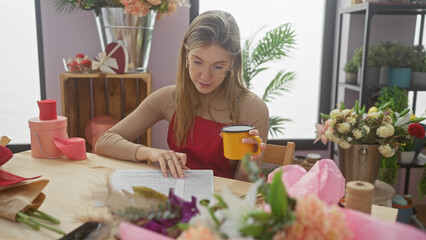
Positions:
(359, 196)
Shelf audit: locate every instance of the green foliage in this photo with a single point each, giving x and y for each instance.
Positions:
(401, 56)
(420, 60)
(376, 56)
(274, 45)
(350, 67)
(388, 170)
(397, 97)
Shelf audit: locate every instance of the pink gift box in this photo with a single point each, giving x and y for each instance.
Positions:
(42, 134)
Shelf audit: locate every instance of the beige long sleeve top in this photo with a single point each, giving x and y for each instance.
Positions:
(161, 105)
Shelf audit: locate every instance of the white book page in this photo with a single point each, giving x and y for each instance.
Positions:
(198, 183)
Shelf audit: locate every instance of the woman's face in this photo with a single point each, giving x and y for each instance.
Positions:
(208, 67)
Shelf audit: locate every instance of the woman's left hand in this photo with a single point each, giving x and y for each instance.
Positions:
(254, 132)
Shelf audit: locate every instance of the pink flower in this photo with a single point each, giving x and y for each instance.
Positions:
(136, 7)
(321, 129)
(171, 9)
(315, 221)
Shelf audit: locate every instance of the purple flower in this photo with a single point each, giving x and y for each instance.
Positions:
(155, 227)
(188, 209)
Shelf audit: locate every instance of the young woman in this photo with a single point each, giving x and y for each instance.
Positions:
(209, 94)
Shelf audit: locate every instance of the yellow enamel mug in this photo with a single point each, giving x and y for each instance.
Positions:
(233, 147)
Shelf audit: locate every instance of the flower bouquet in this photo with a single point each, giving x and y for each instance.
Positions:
(134, 7)
(382, 126)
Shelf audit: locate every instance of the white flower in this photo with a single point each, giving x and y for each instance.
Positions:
(385, 131)
(343, 127)
(344, 145)
(367, 129)
(331, 122)
(386, 150)
(346, 112)
(335, 113)
(329, 134)
(357, 133)
(352, 120)
(236, 215)
(349, 139)
(374, 115)
(400, 121)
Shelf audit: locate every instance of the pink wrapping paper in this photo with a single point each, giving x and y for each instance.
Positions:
(130, 231)
(365, 227)
(324, 179)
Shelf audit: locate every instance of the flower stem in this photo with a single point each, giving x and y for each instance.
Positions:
(22, 218)
(42, 215)
(35, 224)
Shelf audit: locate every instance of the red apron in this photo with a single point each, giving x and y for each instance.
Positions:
(204, 148)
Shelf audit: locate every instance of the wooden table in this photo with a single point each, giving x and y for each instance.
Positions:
(71, 183)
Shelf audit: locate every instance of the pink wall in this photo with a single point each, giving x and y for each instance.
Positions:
(67, 35)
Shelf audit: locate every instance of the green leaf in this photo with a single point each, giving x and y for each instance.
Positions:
(282, 82)
(260, 215)
(342, 106)
(325, 116)
(277, 196)
(254, 230)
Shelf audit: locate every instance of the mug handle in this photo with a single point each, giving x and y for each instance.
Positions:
(259, 150)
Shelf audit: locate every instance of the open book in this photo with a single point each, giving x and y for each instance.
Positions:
(198, 183)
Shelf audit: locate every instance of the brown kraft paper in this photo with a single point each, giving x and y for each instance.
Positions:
(20, 197)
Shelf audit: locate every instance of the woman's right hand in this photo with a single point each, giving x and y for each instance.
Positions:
(167, 159)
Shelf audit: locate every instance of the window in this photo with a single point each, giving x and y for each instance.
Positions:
(20, 82)
(300, 104)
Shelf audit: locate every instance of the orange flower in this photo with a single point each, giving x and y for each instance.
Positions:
(199, 231)
(315, 221)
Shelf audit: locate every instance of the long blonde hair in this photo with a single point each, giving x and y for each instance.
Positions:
(211, 27)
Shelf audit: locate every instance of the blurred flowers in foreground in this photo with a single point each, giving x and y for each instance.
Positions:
(231, 217)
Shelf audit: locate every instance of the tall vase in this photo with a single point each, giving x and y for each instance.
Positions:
(134, 31)
(360, 162)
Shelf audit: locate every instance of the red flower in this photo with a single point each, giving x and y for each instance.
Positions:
(416, 130)
(80, 55)
(86, 63)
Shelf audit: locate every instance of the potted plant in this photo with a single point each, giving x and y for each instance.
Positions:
(374, 61)
(274, 45)
(401, 59)
(395, 96)
(351, 71)
(418, 76)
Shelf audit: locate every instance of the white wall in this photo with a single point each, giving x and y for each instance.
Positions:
(67, 35)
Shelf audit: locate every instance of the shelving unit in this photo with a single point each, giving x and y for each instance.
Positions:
(85, 96)
(371, 9)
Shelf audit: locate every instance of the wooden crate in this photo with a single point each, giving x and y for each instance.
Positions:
(85, 96)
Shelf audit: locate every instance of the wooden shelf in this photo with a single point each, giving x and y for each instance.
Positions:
(85, 96)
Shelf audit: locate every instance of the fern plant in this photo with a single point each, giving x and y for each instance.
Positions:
(274, 45)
